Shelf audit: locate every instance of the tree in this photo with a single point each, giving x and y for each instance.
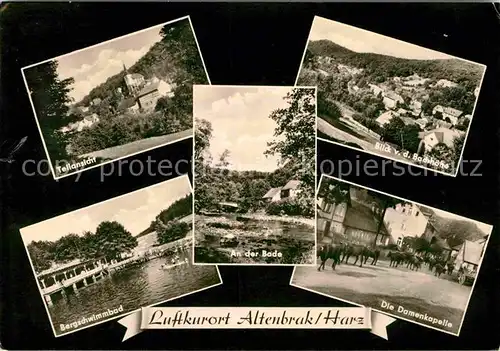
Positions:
(179, 41)
(40, 254)
(50, 96)
(334, 192)
(295, 136)
(113, 239)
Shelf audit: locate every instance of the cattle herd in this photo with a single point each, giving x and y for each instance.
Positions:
(342, 252)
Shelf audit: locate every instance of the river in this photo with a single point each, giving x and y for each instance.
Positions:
(132, 288)
(290, 242)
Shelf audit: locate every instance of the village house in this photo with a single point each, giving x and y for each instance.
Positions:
(476, 92)
(272, 195)
(415, 80)
(405, 220)
(96, 102)
(354, 222)
(385, 118)
(448, 112)
(416, 107)
(391, 99)
(422, 122)
(86, 122)
(376, 89)
(439, 135)
(289, 191)
(350, 70)
(445, 83)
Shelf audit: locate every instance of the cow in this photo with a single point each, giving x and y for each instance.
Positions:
(357, 251)
(331, 251)
(415, 262)
(450, 267)
(395, 258)
(439, 269)
(374, 254)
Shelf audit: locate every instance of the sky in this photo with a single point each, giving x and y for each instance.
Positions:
(360, 40)
(240, 122)
(134, 211)
(93, 65)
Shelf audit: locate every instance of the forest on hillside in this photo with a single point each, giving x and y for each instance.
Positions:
(178, 209)
(382, 67)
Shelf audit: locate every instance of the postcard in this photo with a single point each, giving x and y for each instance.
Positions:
(399, 257)
(254, 175)
(390, 98)
(107, 260)
(118, 98)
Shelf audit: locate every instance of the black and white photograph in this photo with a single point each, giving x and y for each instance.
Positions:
(104, 261)
(396, 256)
(254, 175)
(118, 98)
(390, 98)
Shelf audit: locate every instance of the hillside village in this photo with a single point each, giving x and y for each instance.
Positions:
(411, 104)
(136, 96)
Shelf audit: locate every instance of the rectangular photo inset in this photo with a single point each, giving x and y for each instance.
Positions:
(107, 260)
(390, 98)
(118, 98)
(254, 175)
(408, 260)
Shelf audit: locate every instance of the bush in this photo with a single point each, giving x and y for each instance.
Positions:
(291, 207)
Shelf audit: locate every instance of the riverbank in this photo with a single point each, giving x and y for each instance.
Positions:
(288, 219)
(252, 239)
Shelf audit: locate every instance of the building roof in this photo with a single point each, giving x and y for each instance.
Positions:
(361, 217)
(443, 135)
(393, 96)
(271, 193)
(408, 120)
(229, 204)
(384, 117)
(452, 111)
(127, 103)
(148, 89)
(62, 267)
(135, 75)
(292, 184)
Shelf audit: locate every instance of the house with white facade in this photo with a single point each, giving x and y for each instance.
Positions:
(272, 195)
(439, 135)
(405, 220)
(385, 118)
(391, 99)
(445, 83)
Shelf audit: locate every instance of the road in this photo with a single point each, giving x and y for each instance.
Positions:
(120, 151)
(338, 134)
(420, 291)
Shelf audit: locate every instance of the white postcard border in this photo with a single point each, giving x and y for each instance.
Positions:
(127, 313)
(383, 156)
(92, 46)
(315, 177)
(385, 312)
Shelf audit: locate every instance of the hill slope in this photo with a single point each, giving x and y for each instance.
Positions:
(452, 69)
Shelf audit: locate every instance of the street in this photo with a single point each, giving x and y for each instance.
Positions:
(420, 291)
